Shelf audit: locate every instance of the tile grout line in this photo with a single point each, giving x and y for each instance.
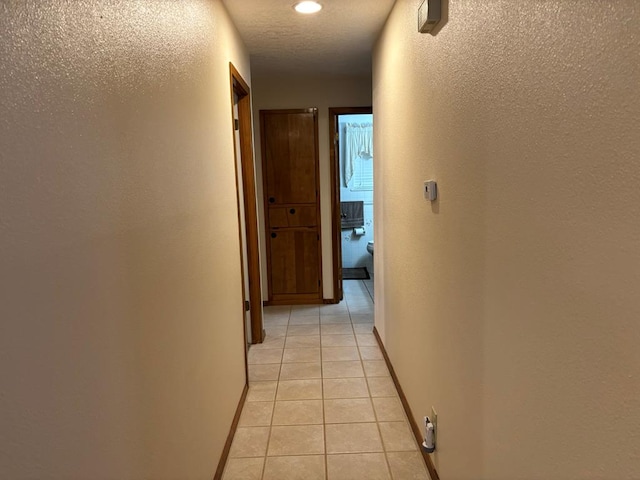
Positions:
(324, 416)
(375, 413)
(354, 333)
(273, 412)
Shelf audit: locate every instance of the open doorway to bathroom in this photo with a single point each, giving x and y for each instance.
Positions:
(352, 198)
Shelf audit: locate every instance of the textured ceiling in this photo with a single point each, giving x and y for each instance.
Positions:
(338, 39)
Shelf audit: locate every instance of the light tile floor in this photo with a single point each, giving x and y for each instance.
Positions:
(321, 402)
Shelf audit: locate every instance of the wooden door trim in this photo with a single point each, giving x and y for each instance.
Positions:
(336, 237)
(300, 298)
(245, 158)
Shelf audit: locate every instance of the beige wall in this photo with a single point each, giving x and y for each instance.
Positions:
(121, 340)
(322, 92)
(511, 304)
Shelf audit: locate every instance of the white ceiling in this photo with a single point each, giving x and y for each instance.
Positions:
(338, 39)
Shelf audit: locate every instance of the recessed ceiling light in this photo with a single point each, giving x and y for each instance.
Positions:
(307, 7)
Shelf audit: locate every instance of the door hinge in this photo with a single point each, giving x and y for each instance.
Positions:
(337, 137)
(236, 124)
(247, 306)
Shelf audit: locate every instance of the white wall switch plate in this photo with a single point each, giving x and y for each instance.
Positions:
(430, 190)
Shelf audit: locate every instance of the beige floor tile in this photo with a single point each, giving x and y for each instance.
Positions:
(348, 410)
(382, 387)
(264, 356)
(301, 355)
(345, 388)
(303, 341)
(342, 369)
(307, 467)
(302, 310)
(303, 330)
(276, 320)
(361, 318)
(363, 328)
(299, 390)
(336, 329)
(256, 414)
(249, 442)
(296, 440)
(371, 353)
(355, 289)
(338, 340)
(277, 310)
(375, 368)
(407, 466)
(243, 469)
(339, 354)
(276, 331)
(330, 319)
(300, 371)
(305, 320)
(358, 295)
(366, 340)
(270, 341)
(336, 309)
(355, 302)
(389, 409)
(361, 309)
(354, 286)
(298, 412)
(262, 392)
(353, 438)
(262, 373)
(358, 466)
(397, 437)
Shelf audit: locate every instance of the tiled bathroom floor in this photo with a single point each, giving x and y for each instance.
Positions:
(321, 403)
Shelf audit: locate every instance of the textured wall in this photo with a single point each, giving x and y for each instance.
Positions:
(121, 341)
(511, 304)
(322, 92)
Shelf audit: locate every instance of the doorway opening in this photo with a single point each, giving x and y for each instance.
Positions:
(351, 158)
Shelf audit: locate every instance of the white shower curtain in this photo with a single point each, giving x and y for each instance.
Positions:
(358, 144)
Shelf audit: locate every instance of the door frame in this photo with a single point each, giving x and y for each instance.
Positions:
(244, 158)
(334, 166)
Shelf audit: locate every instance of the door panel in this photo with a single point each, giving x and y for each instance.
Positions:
(290, 151)
(292, 205)
(302, 216)
(293, 216)
(294, 257)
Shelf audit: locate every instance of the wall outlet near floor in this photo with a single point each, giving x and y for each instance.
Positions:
(429, 444)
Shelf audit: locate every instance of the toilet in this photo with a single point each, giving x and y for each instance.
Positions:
(370, 247)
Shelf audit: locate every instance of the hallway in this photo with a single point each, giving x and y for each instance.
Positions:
(321, 402)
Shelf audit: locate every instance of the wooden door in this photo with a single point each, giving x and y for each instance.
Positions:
(292, 205)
